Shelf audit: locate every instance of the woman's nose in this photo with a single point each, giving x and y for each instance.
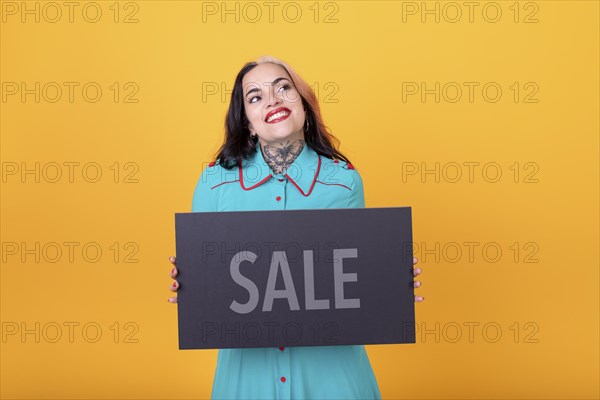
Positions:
(274, 98)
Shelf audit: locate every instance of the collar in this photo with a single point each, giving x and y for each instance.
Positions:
(302, 173)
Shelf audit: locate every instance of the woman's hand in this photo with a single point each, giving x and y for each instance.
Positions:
(175, 285)
(417, 284)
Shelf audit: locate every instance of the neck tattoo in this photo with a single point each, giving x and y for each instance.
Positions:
(281, 157)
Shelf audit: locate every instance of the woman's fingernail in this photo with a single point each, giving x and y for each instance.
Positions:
(173, 271)
(174, 284)
(171, 259)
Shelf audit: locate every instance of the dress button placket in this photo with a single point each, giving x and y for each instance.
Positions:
(283, 358)
(284, 368)
(280, 185)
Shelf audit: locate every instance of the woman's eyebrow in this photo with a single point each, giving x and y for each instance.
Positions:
(278, 79)
(255, 89)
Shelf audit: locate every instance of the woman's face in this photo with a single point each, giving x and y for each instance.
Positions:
(272, 104)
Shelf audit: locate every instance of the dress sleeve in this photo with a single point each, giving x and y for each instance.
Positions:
(205, 198)
(357, 195)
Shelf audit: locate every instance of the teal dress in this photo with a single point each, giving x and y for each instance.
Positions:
(309, 372)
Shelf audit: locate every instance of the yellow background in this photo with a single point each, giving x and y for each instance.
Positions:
(547, 310)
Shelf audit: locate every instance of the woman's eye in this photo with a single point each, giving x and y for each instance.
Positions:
(286, 86)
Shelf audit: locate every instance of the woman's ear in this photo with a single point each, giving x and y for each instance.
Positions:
(251, 130)
(245, 120)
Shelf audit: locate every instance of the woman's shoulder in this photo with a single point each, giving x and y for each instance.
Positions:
(337, 171)
(214, 172)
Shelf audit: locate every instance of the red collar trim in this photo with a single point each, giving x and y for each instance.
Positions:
(286, 175)
(253, 186)
(313, 182)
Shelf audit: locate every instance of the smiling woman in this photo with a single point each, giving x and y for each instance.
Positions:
(279, 155)
(273, 106)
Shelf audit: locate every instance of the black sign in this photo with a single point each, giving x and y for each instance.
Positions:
(295, 278)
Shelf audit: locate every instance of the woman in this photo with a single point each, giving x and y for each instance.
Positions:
(278, 155)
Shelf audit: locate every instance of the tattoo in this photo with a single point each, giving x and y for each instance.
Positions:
(280, 158)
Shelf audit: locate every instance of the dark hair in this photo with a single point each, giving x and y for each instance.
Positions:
(239, 145)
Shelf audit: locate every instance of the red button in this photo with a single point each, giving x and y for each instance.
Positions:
(278, 198)
(336, 161)
(211, 164)
(280, 180)
(283, 379)
(281, 348)
(350, 166)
